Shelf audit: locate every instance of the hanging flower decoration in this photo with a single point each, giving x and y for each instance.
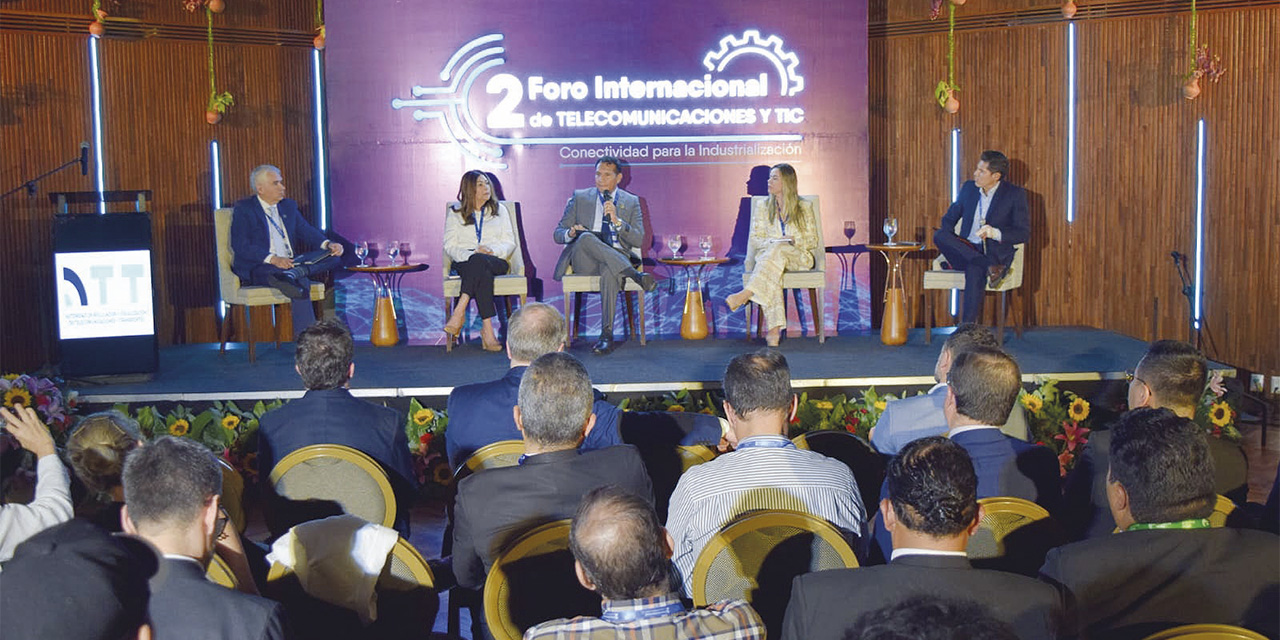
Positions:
(318, 41)
(98, 27)
(945, 92)
(218, 102)
(1200, 63)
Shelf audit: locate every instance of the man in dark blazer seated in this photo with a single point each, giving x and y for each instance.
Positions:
(172, 488)
(1171, 375)
(981, 227)
(496, 506)
(329, 414)
(1167, 567)
(601, 226)
(931, 510)
(480, 413)
(267, 237)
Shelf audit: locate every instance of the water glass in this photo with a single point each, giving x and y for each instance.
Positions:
(704, 243)
(674, 242)
(362, 251)
(890, 228)
(393, 250)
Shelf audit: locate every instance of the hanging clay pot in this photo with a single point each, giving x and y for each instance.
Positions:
(953, 105)
(97, 29)
(212, 117)
(318, 42)
(1069, 10)
(217, 6)
(1191, 89)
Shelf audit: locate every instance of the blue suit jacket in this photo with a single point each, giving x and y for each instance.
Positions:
(1008, 213)
(480, 414)
(334, 416)
(910, 419)
(1010, 467)
(251, 238)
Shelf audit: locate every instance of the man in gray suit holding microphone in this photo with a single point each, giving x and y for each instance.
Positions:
(601, 226)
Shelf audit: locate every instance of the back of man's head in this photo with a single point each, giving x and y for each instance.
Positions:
(924, 617)
(555, 401)
(1175, 372)
(617, 539)
(324, 353)
(933, 487)
(759, 381)
(1164, 465)
(534, 330)
(168, 483)
(966, 337)
(985, 382)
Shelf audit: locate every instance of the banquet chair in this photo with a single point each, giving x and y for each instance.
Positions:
(815, 279)
(757, 555)
(1014, 535)
(938, 278)
(1206, 632)
(503, 453)
(1224, 514)
(235, 294)
(575, 285)
(533, 581)
(692, 455)
(219, 572)
(338, 474)
(867, 465)
(513, 283)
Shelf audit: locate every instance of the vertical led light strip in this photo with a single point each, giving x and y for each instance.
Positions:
(955, 187)
(321, 168)
(1071, 122)
(216, 163)
(1199, 291)
(95, 73)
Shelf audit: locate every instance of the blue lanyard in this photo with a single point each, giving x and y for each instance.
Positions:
(765, 443)
(479, 225)
(643, 613)
(276, 225)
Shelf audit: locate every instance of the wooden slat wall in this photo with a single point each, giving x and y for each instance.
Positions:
(1135, 169)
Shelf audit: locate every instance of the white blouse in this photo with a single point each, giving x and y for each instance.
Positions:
(460, 240)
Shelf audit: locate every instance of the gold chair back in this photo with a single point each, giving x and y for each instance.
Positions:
(1206, 632)
(220, 572)
(233, 494)
(694, 455)
(330, 472)
(503, 453)
(1014, 535)
(1222, 510)
(534, 581)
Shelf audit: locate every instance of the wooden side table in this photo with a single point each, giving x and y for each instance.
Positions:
(693, 324)
(386, 281)
(893, 328)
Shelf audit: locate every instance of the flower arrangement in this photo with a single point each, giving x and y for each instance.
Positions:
(1216, 411)
(424, 427)
(1057, 419)
(224, 428)
(857, 416)
(44, 395)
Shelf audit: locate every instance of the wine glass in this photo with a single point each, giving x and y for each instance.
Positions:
(850, 229)
(704, 243)
(890, 228)
(393, 249)
(362, 251)
(406, 250)
(674, 242)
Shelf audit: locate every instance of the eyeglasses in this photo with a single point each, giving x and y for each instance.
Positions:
(1130, 377)
(220, 526)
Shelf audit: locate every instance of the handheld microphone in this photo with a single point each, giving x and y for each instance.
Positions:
(607, 195)
(84, 158)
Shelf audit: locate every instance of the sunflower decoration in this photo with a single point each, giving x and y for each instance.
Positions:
(880, 405)
(442, 475)
(675, 407)
(179, 427)
(230, 422)
(825, 405)
(1079, 409)
(1220, 414)
(1032, 402)
(16, 396)
(423, 417)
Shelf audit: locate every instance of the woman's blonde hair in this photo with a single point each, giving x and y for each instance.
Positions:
(98, 446)
(790, 198)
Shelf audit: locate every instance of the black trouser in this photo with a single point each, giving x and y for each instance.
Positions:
(969, 258)
(477, 275)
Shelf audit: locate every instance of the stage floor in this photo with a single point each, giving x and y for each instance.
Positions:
(192, 373)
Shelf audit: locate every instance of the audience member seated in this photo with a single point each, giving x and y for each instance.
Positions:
(924, 618)
(931, 511)
(1167, 568)
(52, 502)
(329, 414)
(553, 412)
(78, 582)
(172, 488)
(907, 419)
(766, 471)
(480, 413)
(1171, 375)
(623, 553)
(97, 449)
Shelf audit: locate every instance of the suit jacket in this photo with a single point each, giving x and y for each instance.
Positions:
(581, 209)
(186, 604)
(251, 237)
(1135, 583)
(1087, 512)
(496, 506)
(334, 416)
(918, 417)
(480, 414)
(1009, 467)
(826, 603)
(1008, 213)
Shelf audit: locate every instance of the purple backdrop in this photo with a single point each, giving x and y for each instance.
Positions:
(696, 98)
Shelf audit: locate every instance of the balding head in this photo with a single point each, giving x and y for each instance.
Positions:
(621, 548)
(534, 330)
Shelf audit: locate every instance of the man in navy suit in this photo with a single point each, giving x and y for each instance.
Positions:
(329, 414)
(267, 235)
(600, 227)
(980, 229)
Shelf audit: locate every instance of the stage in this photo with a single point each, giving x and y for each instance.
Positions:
(196, 372)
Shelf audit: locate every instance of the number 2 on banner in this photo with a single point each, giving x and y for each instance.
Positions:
(504, 115)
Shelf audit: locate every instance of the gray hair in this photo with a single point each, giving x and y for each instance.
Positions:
(257, 173)
(169, 481)
(534, 330)
(555, 400)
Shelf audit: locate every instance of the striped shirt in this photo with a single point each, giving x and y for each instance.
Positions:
(645, 619)
(772, 476)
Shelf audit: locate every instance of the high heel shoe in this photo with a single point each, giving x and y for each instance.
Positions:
(773, 337)
(453, 328)
(490, 342)
(735, 307)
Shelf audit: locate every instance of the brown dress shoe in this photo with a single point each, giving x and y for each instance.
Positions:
(996, 275)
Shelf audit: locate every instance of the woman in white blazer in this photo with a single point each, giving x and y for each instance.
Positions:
(478, 239)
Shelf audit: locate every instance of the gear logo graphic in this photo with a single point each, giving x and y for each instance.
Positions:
(771, 48)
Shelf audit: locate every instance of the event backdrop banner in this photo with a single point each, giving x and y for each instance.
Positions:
(697, 99)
